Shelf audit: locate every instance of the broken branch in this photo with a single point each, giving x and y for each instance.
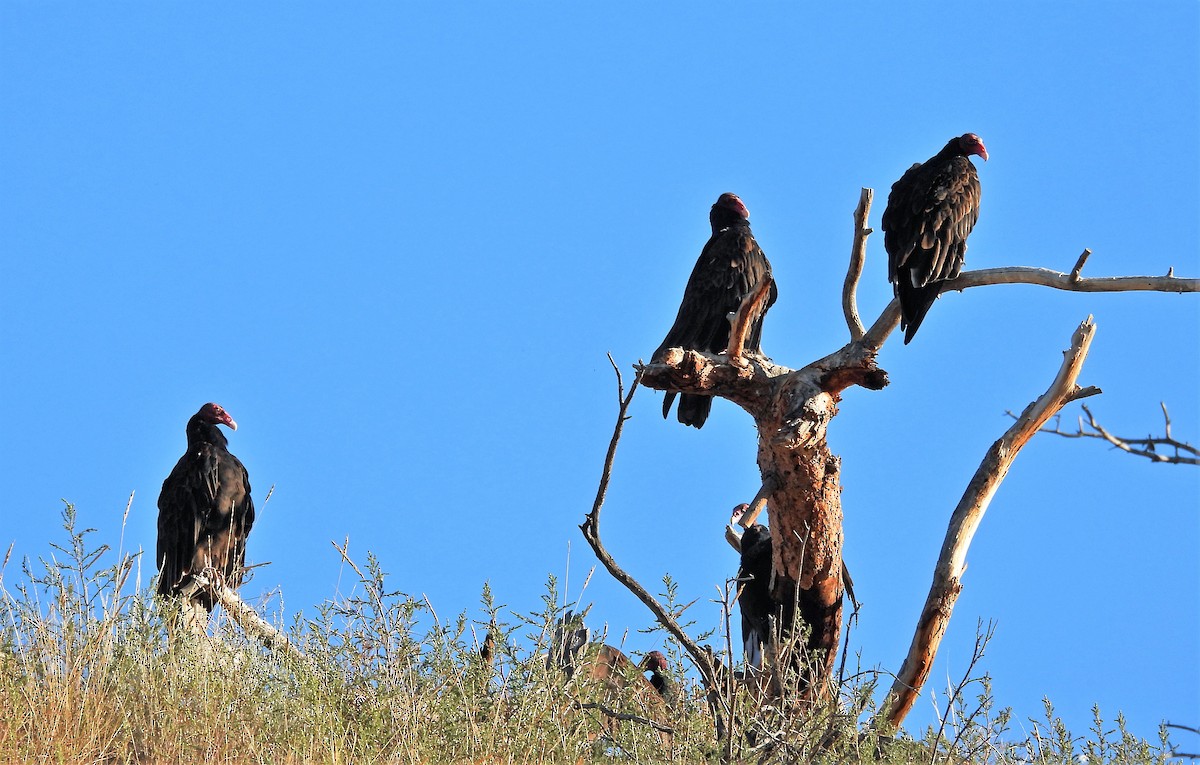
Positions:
(242, 613)
(858, 257)
(947, 576)
(747, 313)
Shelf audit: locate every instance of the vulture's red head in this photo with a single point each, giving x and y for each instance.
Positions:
(214, 414)
(734, 204)
(654, 662)
(972, 144)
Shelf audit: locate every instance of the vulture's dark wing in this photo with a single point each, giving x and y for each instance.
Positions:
(239, 521)
(205, 512)
(730, 267)
(182, 509)
(930, 212)
(754, 578)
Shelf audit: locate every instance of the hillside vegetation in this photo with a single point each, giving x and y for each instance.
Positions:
(91, 673)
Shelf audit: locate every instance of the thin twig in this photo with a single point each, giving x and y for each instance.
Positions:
(591, 532)
(625, 716)
(1141, 447)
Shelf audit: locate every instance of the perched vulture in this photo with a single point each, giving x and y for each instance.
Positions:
(930, 212)
(730, 268)
(754, 578)
(601, 672)
(205, 510)
(660, 677)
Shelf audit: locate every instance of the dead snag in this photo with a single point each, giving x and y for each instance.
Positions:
(952, 562)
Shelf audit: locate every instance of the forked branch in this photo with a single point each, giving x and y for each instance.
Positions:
(947, 576)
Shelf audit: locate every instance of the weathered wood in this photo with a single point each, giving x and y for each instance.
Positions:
(792, 410)
(858, 258)
(242, 613)
(947, 577)
(740, 322)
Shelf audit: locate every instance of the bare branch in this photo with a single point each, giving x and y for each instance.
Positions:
(245, 616)
(740, 322)
(858, 257)
(1142, 447)
(759, 503)
(591, 532)
(1044, 277)
(1079, 264)
(947, 577)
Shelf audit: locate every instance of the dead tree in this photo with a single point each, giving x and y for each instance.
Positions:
(792, 410)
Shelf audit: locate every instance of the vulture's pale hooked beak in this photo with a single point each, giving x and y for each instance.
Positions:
(232, 425)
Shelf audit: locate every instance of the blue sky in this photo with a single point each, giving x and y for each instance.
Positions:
(396, 241)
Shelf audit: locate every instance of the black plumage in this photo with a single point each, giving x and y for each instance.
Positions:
(205, 511)
(731, 267)
(754, 579)
(930, 212)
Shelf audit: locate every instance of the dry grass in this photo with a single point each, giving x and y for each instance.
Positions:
(89, 673)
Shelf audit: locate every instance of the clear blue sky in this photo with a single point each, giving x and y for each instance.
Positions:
(397, 240)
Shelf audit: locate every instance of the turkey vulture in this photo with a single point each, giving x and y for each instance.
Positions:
(730, 268)
(930, 212)
(656, 664)
(205, 510)
(601, 672)
(754, 576)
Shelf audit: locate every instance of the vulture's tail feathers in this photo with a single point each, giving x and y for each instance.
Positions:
(915, 302)
(693, 410)
(668, 399)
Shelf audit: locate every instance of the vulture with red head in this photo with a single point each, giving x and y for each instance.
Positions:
(205, 511)
(930, 212)
(731, 267)
(660, 677)
(754, 579)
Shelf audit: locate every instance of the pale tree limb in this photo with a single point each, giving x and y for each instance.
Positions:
(703, 659)
(747, 313)
(1078, 269)
(858, 257)
(1142, 447)
(947, 577)
(1044, 277)
(242, 613)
